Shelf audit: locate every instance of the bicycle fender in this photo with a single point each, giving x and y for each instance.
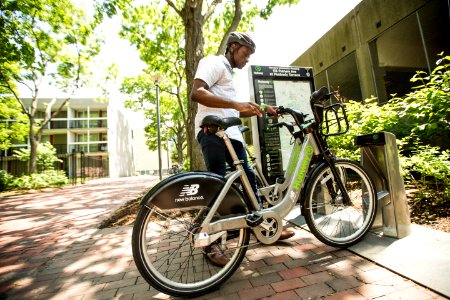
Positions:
(194, 189)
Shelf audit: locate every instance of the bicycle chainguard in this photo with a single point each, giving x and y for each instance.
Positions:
(254, 219)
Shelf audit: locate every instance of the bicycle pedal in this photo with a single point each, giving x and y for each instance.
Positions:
(254, 219)
(280, 180)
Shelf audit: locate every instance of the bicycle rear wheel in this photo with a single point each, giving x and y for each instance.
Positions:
(329, 217)
(164, 252)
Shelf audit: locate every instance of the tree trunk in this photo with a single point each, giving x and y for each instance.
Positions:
(193, 24)
(33, 148)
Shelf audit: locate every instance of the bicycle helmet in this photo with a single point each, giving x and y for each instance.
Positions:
(242, 39)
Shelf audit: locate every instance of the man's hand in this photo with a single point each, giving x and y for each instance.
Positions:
(271, 110)
(248, 109)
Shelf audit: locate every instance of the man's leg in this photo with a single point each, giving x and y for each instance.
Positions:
(242, 155)
(213, 149)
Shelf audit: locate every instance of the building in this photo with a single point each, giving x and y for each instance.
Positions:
(97, 137)
(378, 46)
(94, 131)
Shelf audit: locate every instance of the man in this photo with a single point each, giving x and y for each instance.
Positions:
(214, 91)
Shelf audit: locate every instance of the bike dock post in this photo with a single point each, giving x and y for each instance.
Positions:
(379, 156)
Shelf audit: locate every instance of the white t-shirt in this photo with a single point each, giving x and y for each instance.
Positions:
(216, 72)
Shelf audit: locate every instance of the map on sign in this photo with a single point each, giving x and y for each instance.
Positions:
(292, 94)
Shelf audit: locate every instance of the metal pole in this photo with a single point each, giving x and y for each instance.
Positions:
(158, 122)
(168, 152)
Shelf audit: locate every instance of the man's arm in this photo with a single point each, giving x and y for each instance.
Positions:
(200, 93)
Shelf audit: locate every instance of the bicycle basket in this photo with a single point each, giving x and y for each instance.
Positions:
(335, 120)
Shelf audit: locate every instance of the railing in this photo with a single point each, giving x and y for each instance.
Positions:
(92, 147)
(77, 165)
(89, 123)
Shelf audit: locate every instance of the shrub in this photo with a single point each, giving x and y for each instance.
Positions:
(45, 159)
(421, 123)
(5, 180)
(429, 170)
(47, 178)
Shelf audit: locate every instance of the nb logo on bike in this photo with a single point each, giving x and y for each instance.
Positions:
(188, 193)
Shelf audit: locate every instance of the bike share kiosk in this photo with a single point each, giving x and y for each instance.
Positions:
(379, 156)
(280, 86)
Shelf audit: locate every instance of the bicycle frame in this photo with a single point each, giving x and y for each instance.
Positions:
(298, 168)
(267, 189)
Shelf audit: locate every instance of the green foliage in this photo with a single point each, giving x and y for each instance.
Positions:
(429, 172)
(13, 123)
(5, 180)
(421, 122)
(172, 36)
(364, 118)
(44, 179)
(46, 156)
(426, 113)
(47, 41)
(161, 48)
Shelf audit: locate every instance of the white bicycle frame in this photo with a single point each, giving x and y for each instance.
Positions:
(298, 166)
(267, 189)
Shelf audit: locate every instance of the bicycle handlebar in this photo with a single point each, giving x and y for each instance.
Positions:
(289, 127)
(298, 116)
(321, 94)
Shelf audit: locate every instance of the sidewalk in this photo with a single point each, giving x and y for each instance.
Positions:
(50, 248)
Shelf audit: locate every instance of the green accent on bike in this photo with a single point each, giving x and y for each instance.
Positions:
(294, 160)
(304, 168)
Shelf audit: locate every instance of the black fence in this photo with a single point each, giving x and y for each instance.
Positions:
(77, 165)
(83, 166)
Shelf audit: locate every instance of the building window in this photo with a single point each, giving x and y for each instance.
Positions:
(343, 77)
(82, 138)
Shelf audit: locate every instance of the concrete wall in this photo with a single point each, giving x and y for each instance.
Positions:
(120, 145)
(365, 32)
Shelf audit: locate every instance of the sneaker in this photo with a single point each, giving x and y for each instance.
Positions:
(216, 256)
(286, 234)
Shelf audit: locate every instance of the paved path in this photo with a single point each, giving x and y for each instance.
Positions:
(50, 248)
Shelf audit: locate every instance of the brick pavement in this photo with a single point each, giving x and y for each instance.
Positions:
(51, 249)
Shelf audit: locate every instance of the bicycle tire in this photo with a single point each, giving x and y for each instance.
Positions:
(165, 256)
(329, 219)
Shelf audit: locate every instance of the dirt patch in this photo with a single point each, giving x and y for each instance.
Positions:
(125, 215)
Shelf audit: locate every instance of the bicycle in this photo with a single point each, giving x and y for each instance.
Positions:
(185, 213)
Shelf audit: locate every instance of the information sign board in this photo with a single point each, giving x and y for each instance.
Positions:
(279, 86)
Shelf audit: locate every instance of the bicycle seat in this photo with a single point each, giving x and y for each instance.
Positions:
(223, 123)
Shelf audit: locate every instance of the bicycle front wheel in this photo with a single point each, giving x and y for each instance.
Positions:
(332, 219)
(164, 252)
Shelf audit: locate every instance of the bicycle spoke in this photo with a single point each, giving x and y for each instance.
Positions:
(332, 220)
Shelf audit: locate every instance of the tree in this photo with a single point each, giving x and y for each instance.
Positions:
(204, 19)
(160, 47)
(13, 123)
(142, 89)
(47, 40)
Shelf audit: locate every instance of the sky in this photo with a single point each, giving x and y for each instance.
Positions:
(288, 32)
(292, 30)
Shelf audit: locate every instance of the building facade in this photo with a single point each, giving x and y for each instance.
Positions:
(92, 133)
(378, 46)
